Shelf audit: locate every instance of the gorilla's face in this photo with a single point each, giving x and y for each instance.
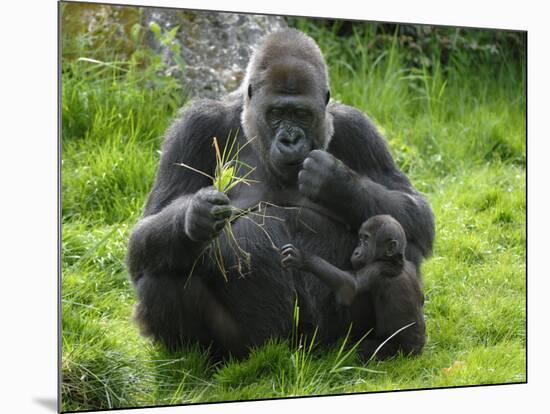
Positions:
(287, 124)
(292, 132)
(380, 238)
(285, 114)
(365, 252)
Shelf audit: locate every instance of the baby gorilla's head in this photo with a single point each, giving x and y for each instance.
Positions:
(380, 238)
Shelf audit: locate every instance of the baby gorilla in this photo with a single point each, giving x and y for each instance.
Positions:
(383, 275)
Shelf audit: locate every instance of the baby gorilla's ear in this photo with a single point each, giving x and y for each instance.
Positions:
(391, 247)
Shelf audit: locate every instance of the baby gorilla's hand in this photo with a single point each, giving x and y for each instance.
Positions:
(292, 257)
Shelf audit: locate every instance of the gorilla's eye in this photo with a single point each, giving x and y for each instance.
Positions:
(303, 115)
(276, 113)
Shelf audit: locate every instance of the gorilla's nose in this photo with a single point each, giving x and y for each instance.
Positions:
(291, 139)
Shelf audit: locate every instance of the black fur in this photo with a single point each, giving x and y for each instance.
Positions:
(383, 279)
(341, 173)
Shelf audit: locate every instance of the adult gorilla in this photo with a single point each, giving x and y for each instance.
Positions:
(321, 169)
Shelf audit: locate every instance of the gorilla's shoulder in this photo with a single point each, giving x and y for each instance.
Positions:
(206, 118)
(211, 110)
(356, 140)
(350, 120)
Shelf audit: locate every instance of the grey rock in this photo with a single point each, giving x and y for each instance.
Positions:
(215, 47)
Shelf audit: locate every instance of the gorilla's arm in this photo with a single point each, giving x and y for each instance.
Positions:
(345, 284)
(178, 217)
(357, 178)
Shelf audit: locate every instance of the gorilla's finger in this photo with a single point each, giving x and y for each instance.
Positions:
(311, 180)
(286, 256)
(309, 164)
(202, 219)
(308, 186)
(289, 251)
(305, 177)
(288, 247)
(218, 225)
(221, 211)
(319, 155)
(202, 227)
(214, 196)
(200, 234)
(323, 159)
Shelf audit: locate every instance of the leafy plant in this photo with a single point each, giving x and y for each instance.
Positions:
(228, 173)
(168, 39)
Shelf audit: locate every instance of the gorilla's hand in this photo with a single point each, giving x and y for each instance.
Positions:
(207, 214)
(324, 177)
(292, 257)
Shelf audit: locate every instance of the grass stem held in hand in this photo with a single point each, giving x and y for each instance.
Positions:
(228, 173)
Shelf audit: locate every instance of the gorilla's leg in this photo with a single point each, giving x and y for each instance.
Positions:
(388, 350)
(259, 294)
(369, 346)
(174, 310)
(255, 302)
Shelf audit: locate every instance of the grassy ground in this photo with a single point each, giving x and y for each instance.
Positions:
(459, 133)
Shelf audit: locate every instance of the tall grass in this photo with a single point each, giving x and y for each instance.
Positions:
(456, 128)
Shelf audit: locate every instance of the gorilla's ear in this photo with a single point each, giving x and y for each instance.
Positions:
(327, 98)
(391, 247)
(249, 91)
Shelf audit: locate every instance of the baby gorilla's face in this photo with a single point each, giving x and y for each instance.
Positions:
(380, 237)
(363, 253)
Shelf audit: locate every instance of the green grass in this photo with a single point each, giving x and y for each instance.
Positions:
(458, 131)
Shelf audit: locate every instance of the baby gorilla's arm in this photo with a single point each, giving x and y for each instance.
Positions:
(366, 277)
(343, 284)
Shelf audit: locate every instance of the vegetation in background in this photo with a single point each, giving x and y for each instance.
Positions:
(454, 116)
